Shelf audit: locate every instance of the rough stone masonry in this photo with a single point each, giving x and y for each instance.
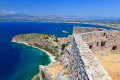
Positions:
(83, 64)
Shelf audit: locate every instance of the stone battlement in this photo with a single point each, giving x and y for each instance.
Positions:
(79, 30)
(83, 64)
(104, 39)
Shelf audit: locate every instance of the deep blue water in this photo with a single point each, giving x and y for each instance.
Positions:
(20, 62)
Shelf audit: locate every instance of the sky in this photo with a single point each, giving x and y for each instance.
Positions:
(63, 7)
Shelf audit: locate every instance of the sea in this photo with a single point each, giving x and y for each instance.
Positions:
(21, 62)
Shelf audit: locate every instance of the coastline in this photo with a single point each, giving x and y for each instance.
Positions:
(52, 58)
(99, 24)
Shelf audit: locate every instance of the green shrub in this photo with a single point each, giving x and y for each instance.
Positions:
(56, 47)
(63, 46)
(37, 77)
(56, 40)
(57, 56)
(46, 34)
(52, 36)
(46, 37)
(48, 49)
(62, 53)
(43, 74)
(38, 45)
(66, 44)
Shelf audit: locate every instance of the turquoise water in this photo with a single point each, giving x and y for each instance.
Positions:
(21, 62)
(29, 59)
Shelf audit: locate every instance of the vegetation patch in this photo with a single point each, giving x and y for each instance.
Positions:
(56, 40)
(37, 77)
(62, 53)
(43, 75)
(57, 56)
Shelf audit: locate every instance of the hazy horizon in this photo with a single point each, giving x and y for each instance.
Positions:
(105, 8)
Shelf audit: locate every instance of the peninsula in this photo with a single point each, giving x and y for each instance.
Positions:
(51, 45)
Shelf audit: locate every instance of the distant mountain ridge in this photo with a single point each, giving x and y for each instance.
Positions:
(12, 16)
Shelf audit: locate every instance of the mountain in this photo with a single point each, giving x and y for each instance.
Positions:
(13, 16)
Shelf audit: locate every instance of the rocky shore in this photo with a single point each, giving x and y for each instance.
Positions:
(52, 58)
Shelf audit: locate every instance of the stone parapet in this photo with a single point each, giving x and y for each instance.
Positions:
(83, 64)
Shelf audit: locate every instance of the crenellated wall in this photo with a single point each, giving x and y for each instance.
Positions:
(101, 40)
(79, 30)
(83, 64)
(77, 69)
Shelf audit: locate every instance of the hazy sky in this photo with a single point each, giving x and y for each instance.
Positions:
(63, 7)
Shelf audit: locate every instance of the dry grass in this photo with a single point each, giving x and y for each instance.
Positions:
(66, 71)
(54, 70)
(109, 63)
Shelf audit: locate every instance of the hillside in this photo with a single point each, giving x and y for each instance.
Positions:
(52, 44)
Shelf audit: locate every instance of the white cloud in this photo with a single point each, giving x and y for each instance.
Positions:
(4, 12)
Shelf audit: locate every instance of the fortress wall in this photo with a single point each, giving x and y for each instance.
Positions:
(91, 34)
(100, 39)
(109, 45)
(70, 39)
(83, 64)
(76, 67)
(79, 30)
(109, 41)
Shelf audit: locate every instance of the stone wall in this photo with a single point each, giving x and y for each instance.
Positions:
(79, 30)
(83, 64)
(65, 57)
(76, 67)
(99, 40)
(47, 75)
(61, 75)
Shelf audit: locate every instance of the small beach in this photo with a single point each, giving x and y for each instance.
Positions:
(52, 58)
